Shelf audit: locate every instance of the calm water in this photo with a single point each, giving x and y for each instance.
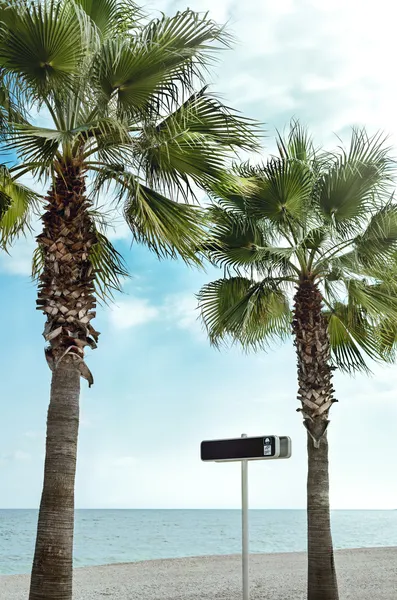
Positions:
(109, 536)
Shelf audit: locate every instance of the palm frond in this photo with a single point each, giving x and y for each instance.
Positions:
(193, 144)
(355, 180)
(148, 72)
(107, 138)
(353, 339)
(168, 228)
(112, 17)
(387, 337)
(297, 144)
(238, 241)
(109, 267)
(284, 191)
(239, 309)
(203, 113)
(17, 204)
(235, 229)
(376, 300)
(230, 191)
(12, 109)
(379, 240)
(45, 43)
(242, 244)
(36, 144)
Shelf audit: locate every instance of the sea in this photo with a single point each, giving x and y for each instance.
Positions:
(113, 536)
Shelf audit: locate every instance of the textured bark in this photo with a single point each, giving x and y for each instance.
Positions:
(66, 291)
(322, 581)
(316, 395)
(66, 296)
(52, 564)
(313, 353)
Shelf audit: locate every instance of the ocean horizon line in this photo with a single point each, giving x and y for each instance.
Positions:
(199, 509)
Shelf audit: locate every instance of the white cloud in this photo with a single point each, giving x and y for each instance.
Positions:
(176, 310)
(181, 310)
(326, 63)
(132, 312)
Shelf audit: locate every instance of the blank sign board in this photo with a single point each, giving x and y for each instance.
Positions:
(249, 448)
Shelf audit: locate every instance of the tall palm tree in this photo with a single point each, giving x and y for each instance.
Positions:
(308, 242)
(131, 119)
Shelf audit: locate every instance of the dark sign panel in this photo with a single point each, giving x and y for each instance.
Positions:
(254, 448)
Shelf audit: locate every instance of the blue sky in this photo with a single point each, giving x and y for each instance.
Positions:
(159, 388)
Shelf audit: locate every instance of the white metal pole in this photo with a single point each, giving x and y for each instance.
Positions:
(244, 512)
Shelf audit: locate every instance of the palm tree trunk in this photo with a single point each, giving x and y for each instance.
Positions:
(316, 395)
(322, 582)
(66, 296)
(52, 564)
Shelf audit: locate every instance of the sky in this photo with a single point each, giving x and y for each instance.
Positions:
(160, 389)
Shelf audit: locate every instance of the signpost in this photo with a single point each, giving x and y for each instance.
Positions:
(243, 449)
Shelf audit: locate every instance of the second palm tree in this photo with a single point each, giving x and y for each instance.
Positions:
(308, 242)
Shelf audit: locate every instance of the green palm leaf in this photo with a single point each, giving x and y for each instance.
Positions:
(374, 299)
(240, 243)
(17, 204)
(36, 144)
(170, 149)
(237, 308)
(109, 267)
(231, 192)
(284, 191)
(202, 113)
(353, 339)
(350, 186)
(379, 240)
(167, 227)
(145, 73)
(112, 17)
(11, 104)
(46, 43)
(297, 145)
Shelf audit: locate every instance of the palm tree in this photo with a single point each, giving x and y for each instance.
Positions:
(308, 242)
(131, 119)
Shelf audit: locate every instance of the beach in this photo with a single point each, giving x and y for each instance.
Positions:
(363, 574)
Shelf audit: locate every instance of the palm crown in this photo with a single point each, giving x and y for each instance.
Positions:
(306, 214)
(120, 93)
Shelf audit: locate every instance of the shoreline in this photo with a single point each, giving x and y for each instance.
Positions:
(147, 561)
(363, 574)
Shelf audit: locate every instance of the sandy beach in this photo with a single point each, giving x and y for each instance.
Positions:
(364, 574)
